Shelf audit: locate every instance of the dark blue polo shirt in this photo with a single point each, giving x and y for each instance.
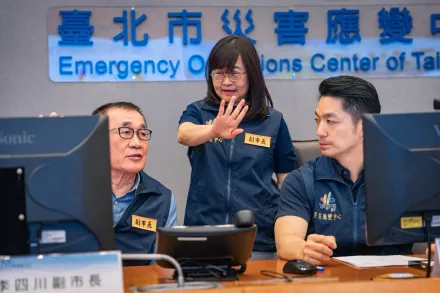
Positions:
(284, 157)
(135, 232)
(322, 193)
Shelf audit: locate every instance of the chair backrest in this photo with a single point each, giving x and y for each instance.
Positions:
(306, 150)
(419, 248)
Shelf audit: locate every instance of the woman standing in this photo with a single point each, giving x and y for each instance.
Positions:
(236, 141)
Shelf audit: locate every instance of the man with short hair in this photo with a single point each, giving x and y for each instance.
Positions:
(322, 204)
(141, 204)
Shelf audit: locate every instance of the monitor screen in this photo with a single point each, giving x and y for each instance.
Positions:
(402, 176)
(56, 185)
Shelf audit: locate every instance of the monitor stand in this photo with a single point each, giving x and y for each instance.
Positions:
(13, 220)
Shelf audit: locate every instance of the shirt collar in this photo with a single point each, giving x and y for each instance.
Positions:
(344, 172)
(137, 180)
(148, 185)
(210, 106)
(325, 169)
(136, 183)
(329, 168)
(340, 170)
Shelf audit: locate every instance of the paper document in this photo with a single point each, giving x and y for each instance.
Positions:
(373, 261)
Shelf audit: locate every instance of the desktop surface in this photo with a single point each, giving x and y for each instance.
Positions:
(350, 279)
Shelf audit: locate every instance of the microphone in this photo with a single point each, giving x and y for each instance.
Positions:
(243, 219)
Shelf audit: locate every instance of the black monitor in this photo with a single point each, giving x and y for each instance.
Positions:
(402, 177)
(209, 252)
(55, 185)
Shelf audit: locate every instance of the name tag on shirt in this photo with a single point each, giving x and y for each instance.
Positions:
(411, 222)
(143, 223)
(258, 140)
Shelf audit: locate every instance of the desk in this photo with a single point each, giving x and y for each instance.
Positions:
(350, 279)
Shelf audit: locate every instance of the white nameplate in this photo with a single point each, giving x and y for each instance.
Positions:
(436, 269)
(62, 273)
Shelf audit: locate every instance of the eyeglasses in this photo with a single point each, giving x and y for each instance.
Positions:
(127, 132)
(234, 75)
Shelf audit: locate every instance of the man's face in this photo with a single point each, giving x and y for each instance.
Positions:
(126, 155)
(337, 133)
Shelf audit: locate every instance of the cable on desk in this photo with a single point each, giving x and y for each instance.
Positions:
(168, 287)
(273, 274)
(280, 278)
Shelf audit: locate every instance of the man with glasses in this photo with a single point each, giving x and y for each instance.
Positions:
(140, 203)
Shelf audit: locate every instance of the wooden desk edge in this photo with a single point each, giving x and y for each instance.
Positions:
(385, 285)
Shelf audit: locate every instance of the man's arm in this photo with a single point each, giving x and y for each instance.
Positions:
(280, 179)
(294, 213)
(292, 217)
(172, 215)
(432, 250)
(171, 221)
(290, 232)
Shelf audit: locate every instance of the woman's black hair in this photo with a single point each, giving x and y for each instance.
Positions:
(224, 55)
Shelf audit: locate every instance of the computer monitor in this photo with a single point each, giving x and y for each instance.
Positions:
(55, 185)
(209, 252)
(402, 177)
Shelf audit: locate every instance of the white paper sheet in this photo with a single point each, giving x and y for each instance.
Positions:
(373, 261)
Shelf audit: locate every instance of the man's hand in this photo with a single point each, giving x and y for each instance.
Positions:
(226, 122)
(432, 250)
(319, 248)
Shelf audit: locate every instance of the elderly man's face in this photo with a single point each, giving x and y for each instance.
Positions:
(126, 155)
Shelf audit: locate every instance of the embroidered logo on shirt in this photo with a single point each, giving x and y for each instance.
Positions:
(328, 202)
(328, 207)
(327, 216)
(143, 223)
(217, 139)
(258, 140)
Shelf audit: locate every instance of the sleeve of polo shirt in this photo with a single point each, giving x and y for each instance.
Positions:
(172, 216)
(284, 154)
(293, 198)
(171, 221)
(191, 114)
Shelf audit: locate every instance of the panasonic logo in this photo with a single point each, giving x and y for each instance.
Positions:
(16, 139)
